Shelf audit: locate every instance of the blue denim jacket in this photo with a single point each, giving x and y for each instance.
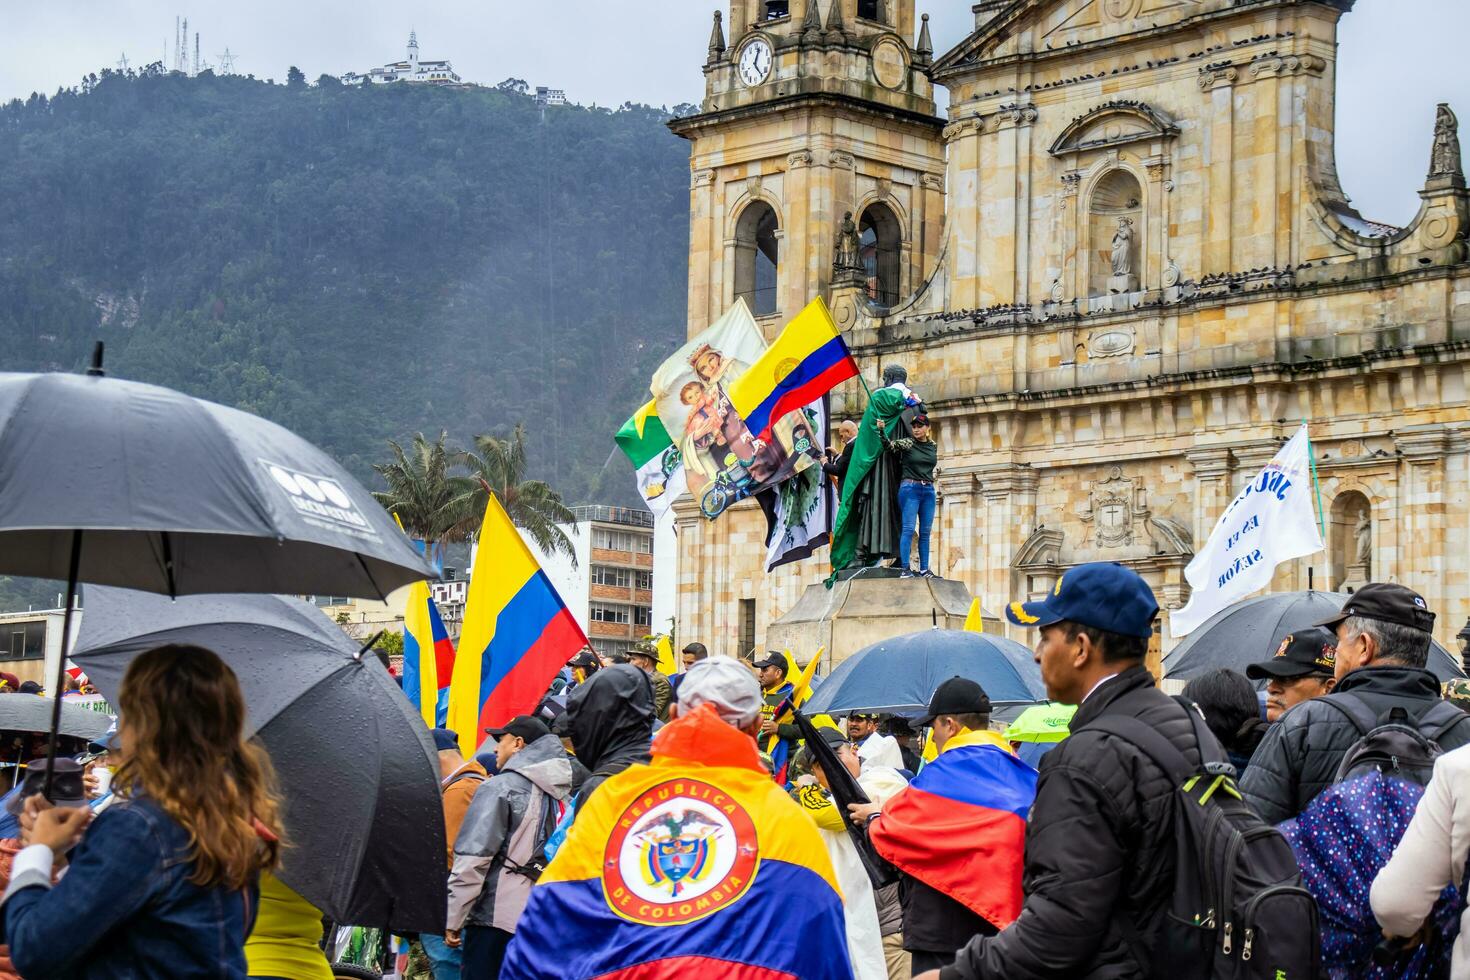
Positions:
(126, 910)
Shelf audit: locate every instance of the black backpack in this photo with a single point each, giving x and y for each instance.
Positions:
(1393, 743)
(1237, 908)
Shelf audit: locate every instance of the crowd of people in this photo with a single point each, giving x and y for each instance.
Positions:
(638, 824)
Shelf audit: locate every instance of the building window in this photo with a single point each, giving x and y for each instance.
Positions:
(747, 626)
(616, 577)
(776, 9)
(609, 614)
(871, 10)
(643, 580)
(25, 641)
(639, 544)
(756, 258)
(880, 253)
(642, 616)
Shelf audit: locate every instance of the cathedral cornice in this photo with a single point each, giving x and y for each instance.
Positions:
(689, 127)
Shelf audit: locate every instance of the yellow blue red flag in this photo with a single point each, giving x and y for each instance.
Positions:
(517, 633)
(693, 865)
(428, 656)
(808, 359)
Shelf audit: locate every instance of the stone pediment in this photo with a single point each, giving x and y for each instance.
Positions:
(1114, 124)
(1056, 24)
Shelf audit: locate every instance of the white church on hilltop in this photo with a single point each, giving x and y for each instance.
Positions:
(411, 69)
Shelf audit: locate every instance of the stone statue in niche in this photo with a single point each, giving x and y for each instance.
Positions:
(1363, 543)
(1123, 248)
(847, 261)
(1444, 160)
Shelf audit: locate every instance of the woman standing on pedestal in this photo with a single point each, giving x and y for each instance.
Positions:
(918, 457)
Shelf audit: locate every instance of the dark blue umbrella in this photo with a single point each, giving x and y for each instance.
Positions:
(357, 768)
(1250, 631)
(899, 675)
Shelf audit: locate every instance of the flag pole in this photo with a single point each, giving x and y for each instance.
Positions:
(1316, 486)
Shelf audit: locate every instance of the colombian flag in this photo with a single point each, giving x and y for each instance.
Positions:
(960, 827)
(694, 865)
(428, 656)
(807, 360)
(517, 634)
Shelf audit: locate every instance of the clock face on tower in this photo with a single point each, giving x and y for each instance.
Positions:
(755, 62)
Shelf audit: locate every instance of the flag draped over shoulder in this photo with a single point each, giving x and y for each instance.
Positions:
(960, 827)
(696, 865)
(1271, 521)
(428, 656)
(517, 633)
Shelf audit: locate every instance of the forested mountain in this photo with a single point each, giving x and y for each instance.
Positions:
(354, 263)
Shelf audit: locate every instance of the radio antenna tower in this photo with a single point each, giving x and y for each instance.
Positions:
(183, 50)
(227, 63)
(122, 63)
(196, 52)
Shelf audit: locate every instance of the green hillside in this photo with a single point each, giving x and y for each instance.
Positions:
(356, 264)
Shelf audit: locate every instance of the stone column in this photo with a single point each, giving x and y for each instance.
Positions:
(1007, 518)
(1425, 562)
(955, 546)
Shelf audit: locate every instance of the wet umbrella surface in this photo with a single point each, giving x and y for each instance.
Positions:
(900, 675)
(357, 767)
(1252, 630)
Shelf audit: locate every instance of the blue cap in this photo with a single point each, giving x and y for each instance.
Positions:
(1101, 594)
(444, 739)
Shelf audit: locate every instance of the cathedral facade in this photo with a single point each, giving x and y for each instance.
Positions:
(1120, 270)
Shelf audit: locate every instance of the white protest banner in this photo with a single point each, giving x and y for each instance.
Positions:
(1271, 521)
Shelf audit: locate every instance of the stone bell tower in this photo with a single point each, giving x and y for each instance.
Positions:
(812, 109)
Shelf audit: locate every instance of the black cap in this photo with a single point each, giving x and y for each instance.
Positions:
(444, 739)
(1387, 603)
(832, 736)
(956, 696)
(521, 726)
(773, 659)
(67, 789)
(1309, 651)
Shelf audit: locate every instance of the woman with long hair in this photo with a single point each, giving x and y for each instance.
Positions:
(164, 883)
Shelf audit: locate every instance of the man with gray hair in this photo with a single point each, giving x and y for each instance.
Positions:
(1383, 638)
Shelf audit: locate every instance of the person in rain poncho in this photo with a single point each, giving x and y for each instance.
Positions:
(498, 854)
(610, 719)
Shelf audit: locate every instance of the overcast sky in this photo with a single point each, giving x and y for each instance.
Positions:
(1399, 57)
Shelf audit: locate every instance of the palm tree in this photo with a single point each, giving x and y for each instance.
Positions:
(533, 506)
(421, 492)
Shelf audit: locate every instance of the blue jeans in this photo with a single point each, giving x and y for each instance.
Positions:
(916, 502)
(444, 960)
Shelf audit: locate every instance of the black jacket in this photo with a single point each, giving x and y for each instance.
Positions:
(838, 467)
(1300, 754)
(1099, 848)
(610, 718)
(935, 923)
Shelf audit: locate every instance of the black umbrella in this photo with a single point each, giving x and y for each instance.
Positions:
(1251, 631)
(119, 483)
(32, 713)
(358, 769)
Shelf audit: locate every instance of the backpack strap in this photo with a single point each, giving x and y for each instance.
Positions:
(1164, 753)
(1354, 709)
(1436, 723)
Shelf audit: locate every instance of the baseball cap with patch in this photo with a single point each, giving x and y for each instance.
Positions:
(1309, 651)
(1102, 594)
(1387, 603)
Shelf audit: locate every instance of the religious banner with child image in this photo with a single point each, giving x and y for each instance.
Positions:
(724, 461)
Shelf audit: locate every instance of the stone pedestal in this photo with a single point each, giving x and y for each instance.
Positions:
(1122, 284)
(873, 604)
(1357, 577)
